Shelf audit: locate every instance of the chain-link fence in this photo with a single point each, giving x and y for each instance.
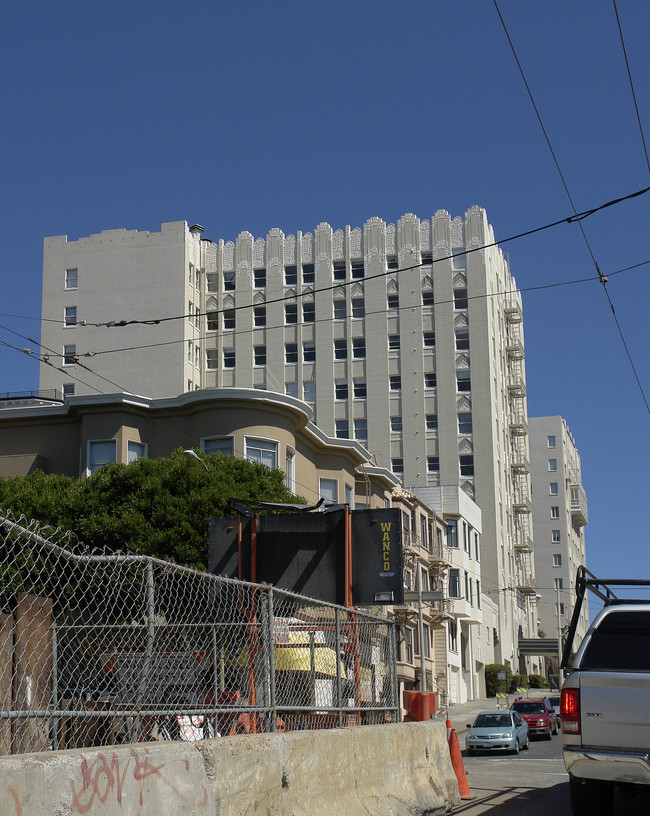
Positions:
(98, 649)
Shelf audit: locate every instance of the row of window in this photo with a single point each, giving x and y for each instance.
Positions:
(433, 465)
(472, 587)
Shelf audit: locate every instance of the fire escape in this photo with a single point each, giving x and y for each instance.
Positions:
(519, 462)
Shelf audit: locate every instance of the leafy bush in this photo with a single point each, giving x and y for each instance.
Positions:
(518, 681)
(492, 685)
(537, 681)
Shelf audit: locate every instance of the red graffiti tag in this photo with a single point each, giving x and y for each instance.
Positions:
(104, 777)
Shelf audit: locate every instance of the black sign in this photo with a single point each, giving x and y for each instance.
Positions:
(377, 557)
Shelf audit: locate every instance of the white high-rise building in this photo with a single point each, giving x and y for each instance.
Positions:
(407, 337)
(559, 519)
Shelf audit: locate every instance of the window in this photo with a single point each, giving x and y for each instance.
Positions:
(361, 430)
(229, 281)
(550, 441)
(432, 422)
(290, 275)
(349, 495)
(229, 319)
(430, 380)
(463, 381)
(407, 641)
(329, 489)
(465, 423)
(558, 583)
(68, 389)
(213, 321)
(213, 282)
(555, 511)
(308, 312)
(341, 389)
(397, 466)
(396, 424)
(557, 559)
(395, 382)
(392, 262)
(393, 301)
(454, 583)
(70, 316)
(190, 311)
(71, 278)
(339, 270)
(452, 533)
(135, 450)
(309, 392)
(229, 358)
(69, 355)
(553, 488)
(358, 307)
(291, 389)
(429, 338)
(218, 444)
(290, 469)
(460, 298)
(290, 312)
(342, 429)
(259, 313)
(341, 349)
(357, 267)
(259, 354)
(393, 341)
(555, 536)
(259, 276)
(197, 357)
(308, 273)
(100, 453)
(466, 465)
(427, 257)
(427, 298)
(552, 464)
(309, 352)
(462, 339)
(211, 359)
(262, 451)
(468, 591)
(197, 280)
(358, 347)
(359, 387)
(340, 311)
(433, 464)
(459, 260)
(291, 352)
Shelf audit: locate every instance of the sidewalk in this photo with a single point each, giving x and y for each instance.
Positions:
(462, 713)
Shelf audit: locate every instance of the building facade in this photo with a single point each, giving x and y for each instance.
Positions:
(406, 337)
(559, 518)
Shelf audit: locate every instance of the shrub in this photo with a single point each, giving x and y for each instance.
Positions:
(518, 681)
(492, 685)
(537, 681)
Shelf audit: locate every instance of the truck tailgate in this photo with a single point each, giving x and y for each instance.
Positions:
(615, 709)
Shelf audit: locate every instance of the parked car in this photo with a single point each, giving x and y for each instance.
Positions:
(555, 702)
(539, 714)
(497, 731)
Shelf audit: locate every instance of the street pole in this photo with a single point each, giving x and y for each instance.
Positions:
(559, 627)
(423, 676)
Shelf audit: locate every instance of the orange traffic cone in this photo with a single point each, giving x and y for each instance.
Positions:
(457, 765)
(449, 729)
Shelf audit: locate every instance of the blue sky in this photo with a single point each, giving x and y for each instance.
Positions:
(252, 115)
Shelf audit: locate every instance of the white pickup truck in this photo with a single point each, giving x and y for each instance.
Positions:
(605, 699)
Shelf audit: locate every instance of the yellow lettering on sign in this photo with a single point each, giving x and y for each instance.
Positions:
(386, 565)
(385, 526)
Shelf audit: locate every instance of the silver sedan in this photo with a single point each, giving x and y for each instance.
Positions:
(497, 731)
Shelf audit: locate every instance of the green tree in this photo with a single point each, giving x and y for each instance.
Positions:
(158, 507)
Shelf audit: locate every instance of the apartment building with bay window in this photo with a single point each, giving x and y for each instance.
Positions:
(405, 337)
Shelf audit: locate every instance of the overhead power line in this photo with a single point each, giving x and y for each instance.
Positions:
(601, 277)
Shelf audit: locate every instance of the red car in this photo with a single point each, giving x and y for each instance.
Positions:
(539, 715)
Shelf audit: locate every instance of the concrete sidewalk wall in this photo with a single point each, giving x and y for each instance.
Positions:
(389, 770)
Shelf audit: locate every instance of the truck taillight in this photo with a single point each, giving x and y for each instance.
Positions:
(570, 710)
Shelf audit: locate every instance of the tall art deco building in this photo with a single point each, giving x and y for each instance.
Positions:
(406, 337)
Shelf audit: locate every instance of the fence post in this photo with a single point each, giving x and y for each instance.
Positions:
(148, 652)
(54, 721)
(392, 645)
(271, 652)
(339, 682)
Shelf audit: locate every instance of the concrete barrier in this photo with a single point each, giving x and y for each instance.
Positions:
(390, 770)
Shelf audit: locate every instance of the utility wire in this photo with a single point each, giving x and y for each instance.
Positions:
(602, 278)
(629, 76)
